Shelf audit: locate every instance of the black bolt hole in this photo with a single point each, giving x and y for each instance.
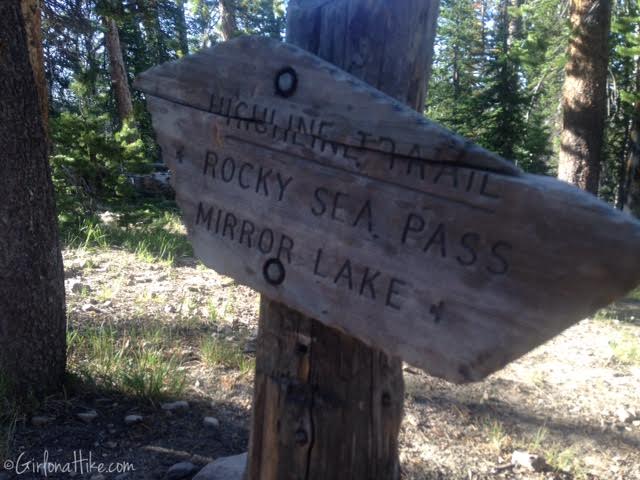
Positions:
(302, 349)
(286, 82)
(386, 399)
(274, 272)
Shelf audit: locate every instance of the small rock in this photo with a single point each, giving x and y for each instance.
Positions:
(88, 417)
(131, 419)
(636, 423)
(169, 309)
(162, 277)
(106, 303)
(535, 463)
(179, 405)
(180, 470)
(625, 415)
(226, 468)
(211, 422)
(87, 307)
(111, 444)
(76, 285)
(40, 420)
(108, 218)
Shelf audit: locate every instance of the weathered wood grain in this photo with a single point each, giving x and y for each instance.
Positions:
(435, 250)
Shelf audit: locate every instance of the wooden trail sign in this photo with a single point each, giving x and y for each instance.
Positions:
(323, 193)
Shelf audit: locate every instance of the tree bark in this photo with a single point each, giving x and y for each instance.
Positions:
(181, 28)
(632, 177)
(228, 19)
(584, 94)
(33, 25)
(327, 406)
(32, 308)
(117, 70)
(153, 29)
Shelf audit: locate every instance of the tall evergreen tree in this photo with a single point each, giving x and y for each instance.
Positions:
(457, 63)
(117, 68)
(32, 300)
(584, 94)
(502, 97)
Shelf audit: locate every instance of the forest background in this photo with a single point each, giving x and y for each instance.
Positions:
(498, 72)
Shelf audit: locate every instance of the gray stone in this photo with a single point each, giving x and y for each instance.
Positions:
(211, 422)
(226, 468)
(180, 470)
(131, 419)
(625, 415)
(529, 461)
(179, 405)
(108, 218)
(76, 286)
(88, 417)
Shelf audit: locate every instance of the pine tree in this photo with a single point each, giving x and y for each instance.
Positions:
(457, 61)
(584, 94)
(32, 300)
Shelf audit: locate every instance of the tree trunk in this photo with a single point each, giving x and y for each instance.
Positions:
(584, 94)
(515, 21)
(181, 28)
(32, 315)
(154, 33)
(33, 25)
(118, 71)
(228, 19)
(632, 187)
(327, 406)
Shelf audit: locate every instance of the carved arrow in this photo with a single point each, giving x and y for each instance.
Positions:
(319, 191)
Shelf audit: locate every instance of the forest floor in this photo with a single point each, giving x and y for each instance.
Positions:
(144, 332)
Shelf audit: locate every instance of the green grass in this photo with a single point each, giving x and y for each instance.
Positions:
(153, 231)
(137, 362)
(212, 312)
(626, 347)
(216, 352)
(496, 435)
(634, 295)
(538, 440)
(564, 460)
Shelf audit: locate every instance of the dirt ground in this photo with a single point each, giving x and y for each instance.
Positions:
(572, 402)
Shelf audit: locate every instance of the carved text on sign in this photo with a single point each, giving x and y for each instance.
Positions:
(323, 193)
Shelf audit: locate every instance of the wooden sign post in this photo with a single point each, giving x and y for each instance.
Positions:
(342, 203)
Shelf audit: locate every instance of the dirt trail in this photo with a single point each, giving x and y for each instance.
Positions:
(571, 401)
